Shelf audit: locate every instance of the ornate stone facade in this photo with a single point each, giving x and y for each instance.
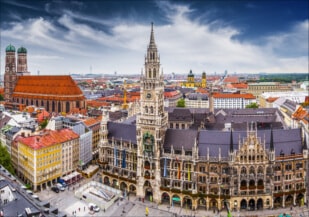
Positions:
(199, 165)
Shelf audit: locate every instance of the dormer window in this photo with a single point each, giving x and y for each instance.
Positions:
(292, 152)
(281, 153)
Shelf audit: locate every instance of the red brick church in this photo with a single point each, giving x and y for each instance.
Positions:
(56, 93)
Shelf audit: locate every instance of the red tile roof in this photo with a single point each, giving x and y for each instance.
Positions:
(97, 104)
(231, 79)
(91, 121)
(272, 99)
(234, 95)
(237, 86)
(300, 113)
(201, 90)
(48, 138)
(53, 87)
(171, 94)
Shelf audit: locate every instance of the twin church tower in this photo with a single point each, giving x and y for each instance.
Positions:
(10, 76)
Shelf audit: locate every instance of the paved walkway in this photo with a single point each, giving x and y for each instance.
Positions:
(72, 206)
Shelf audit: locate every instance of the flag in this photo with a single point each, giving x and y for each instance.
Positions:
(178, 174)
(123, 158)
(164, 170)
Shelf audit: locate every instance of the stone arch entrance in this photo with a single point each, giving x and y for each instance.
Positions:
(277, 202)
(123, 186)
(201, 203)
(115, 183)
(165, 198)
(148, 191)
(106, 180)
(243, 204)
(300, 200)
(213, 204)
(187, 202)
(259, 203)
(289, 200)
(252, 204)
(176, 201)
(132, 189)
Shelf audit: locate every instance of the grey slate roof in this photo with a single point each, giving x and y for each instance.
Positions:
(126, 132)
(180, 114)
(18, 205)
(180, 138)
(4, 119)
(284, 140)
(196, 96)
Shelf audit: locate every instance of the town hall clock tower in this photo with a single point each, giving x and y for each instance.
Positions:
(151, 125)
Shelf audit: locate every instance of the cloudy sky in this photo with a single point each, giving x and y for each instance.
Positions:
(64, 37)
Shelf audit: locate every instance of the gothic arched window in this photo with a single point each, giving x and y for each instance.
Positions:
(67, 107)
(154, 73)
(149, 75)
(252, 170)
(260, 170)
(146, 109)
(151, 110)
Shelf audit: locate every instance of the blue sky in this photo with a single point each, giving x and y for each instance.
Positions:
(65, 37)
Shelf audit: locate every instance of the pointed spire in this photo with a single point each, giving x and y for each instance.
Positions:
(231, 142)
(271, 139)
(152, 43)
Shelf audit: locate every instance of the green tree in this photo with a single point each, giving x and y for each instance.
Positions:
(5, 159)
(181, 103)
(1, 97)
(252, 105)
(44, 124)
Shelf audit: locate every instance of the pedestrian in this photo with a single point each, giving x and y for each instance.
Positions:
(84, 208)
(79, 209)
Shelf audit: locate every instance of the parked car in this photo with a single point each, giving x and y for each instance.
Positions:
(60, 187)
(93, 207)
(55, 189)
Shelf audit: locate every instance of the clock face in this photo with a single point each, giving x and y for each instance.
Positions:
(148, 95)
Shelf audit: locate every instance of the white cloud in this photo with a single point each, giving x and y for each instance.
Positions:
(184, 44)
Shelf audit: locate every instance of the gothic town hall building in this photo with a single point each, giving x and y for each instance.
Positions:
(201, 158)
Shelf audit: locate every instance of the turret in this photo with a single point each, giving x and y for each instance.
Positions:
(271, 146)
(231, 142)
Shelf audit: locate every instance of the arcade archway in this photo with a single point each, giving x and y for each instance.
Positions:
(259, 203)
(252, 204)
(148, 191)
(243, 204)
(165, 198)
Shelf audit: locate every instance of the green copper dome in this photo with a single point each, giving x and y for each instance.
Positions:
(10, 48)
(22, 50)
(190, 74)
